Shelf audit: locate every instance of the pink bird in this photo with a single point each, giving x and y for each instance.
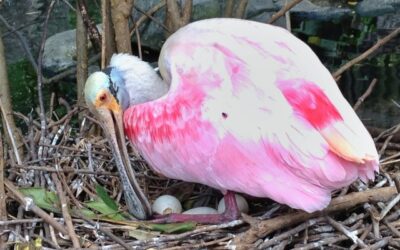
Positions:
(240, 106)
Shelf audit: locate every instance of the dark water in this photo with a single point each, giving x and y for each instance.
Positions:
(337, 42)
(379, 109)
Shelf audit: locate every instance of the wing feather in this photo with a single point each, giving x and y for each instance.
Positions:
(229, 120)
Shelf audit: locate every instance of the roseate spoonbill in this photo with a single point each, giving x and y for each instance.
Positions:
(240, 106)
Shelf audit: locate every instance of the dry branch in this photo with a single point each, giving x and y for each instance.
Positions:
(241, 9)
(228, 11)
(81, 58)
(282, 11)
(42, 114)
(65, 211)
(94, 34)
(68, 72)
(3, 208)
(177, 18)
(120, 13)
(6, 106)
(147, 15)
(28, 204)
(10, 132)
(368, 52)
(364, 96)
(263, 228)
(107, 40)
(21, 38)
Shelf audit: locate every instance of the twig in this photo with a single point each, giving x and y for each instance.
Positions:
(368, 52)
(139, 44)
(290, 233)
(147, 15)
(42, 115)
(175, 19)
(24, 43)
(94, 34)
(324, 241)
(185, 235)
(153, 19)
(65, 212)
(288, 20)
(366, 94)
(20, 221)
(81, 42)
(26, 119)
(229, 4)
(394, 243)
(10, 134)
(29, 205)
(389, 206)
(241, 8)
(337, 204)
(383, 148)
(201, 245)
(392, 228)
(380, 244)
(104, 231)
(383, 133)
(282, 11)
(64, 118)
(47, 241)
(68, 72)
(3, 208)
(51, 169)
(351, 235)
(374, 218)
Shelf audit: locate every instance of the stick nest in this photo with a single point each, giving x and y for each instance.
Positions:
(74, 160)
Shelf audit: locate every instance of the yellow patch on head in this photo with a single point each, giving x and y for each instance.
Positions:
(106, 100)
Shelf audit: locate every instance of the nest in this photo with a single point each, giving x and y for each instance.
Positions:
(69, 164)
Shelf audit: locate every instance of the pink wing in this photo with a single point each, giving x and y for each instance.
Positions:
(251, 109)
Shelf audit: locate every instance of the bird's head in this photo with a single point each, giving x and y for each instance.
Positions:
(107, 98)
(105, 90)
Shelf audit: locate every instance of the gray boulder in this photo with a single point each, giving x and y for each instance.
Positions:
(377, 7)
(60, 51)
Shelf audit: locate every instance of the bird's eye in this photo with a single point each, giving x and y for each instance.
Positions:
(103, 97)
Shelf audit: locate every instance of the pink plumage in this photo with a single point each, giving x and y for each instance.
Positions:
(251, 109)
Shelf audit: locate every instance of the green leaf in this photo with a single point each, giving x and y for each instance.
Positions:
(142, 234)
(43, 199)
(87, 213)
(173, 227)
(102, 193)
(101, 207)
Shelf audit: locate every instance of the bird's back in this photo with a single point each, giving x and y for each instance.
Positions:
(251, 109)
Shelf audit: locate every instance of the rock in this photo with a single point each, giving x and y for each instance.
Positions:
(60, 51)
(152, 34)
(317, 10)
(28, 17)
(377, 7)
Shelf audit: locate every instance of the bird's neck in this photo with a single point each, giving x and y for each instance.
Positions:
(148, 86)
(141, 81)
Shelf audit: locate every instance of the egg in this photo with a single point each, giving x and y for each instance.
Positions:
(201, 210)
(241, 203)
(166, 204)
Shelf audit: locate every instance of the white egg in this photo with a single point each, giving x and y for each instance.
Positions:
(241, 202)
(166, 204)
(201, 210)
